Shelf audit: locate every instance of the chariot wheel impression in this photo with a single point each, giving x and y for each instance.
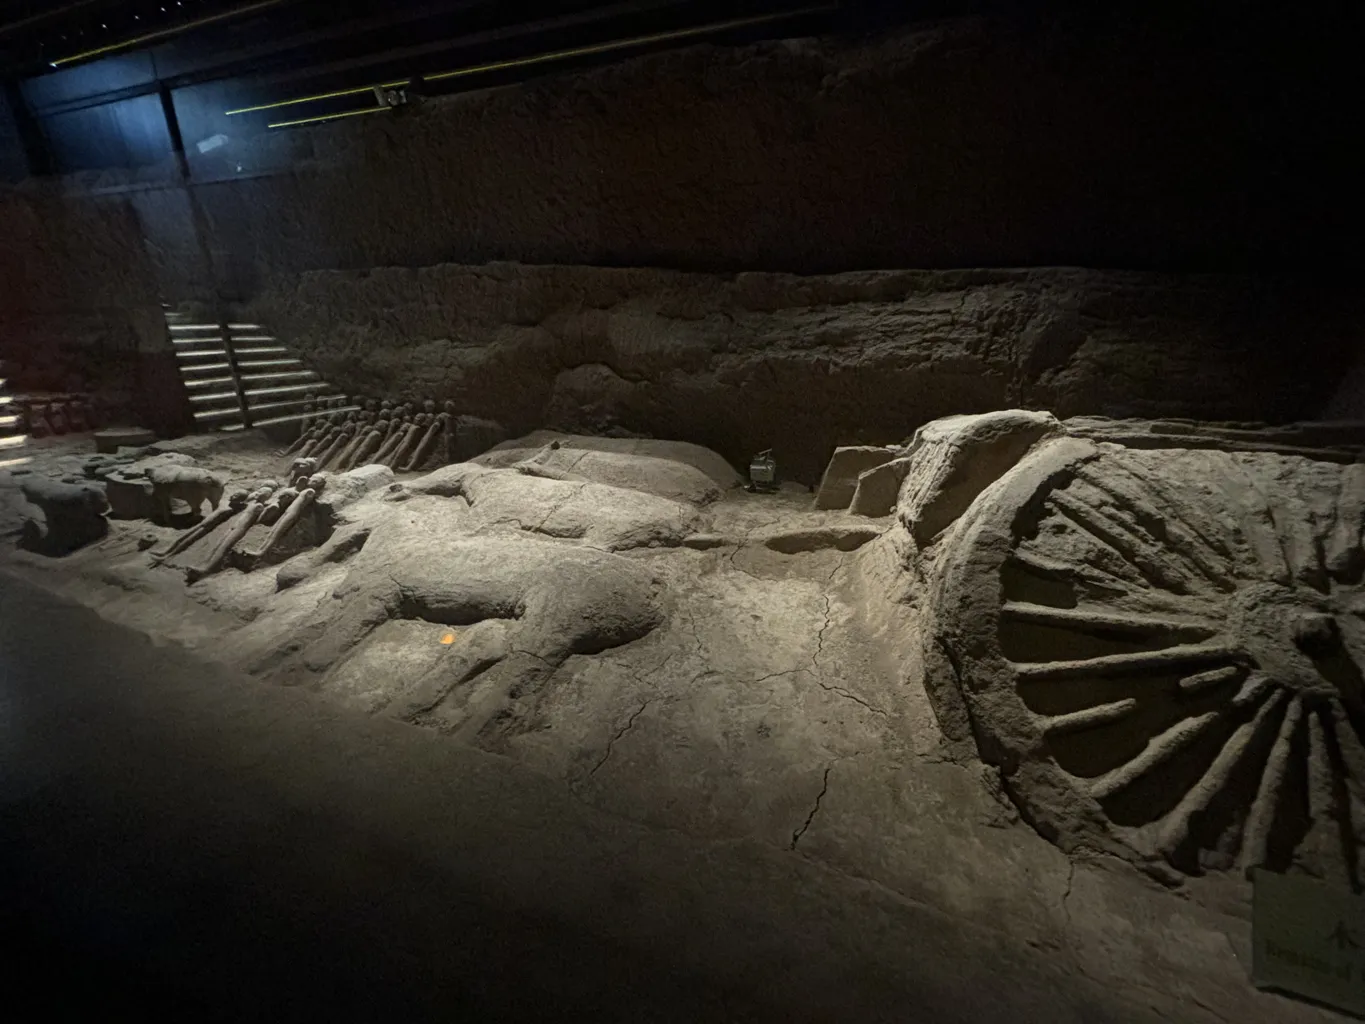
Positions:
(1163, 650)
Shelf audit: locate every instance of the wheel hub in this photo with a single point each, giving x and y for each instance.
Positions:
(1298, 637)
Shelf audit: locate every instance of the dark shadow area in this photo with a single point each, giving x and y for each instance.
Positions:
(180, 842)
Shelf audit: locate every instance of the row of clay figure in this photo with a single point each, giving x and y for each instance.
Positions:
(72, 415)
(279, 507)
(384, 433)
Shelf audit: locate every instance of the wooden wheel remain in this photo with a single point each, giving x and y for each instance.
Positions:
(1163, 650)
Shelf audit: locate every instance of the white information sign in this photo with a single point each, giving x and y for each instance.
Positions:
(1308, 938)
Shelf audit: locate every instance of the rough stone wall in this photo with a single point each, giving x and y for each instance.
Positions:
(963, 145)
(61, 254)
(67, 273)
(967, 144)
(13, 163)
(750, 361)
(79, 306)
(1349, 401)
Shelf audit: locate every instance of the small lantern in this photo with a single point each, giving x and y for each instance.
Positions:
(763, 471)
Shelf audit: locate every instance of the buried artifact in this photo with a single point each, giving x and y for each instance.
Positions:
(1162, 650)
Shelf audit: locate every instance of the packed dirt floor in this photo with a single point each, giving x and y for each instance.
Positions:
(692, 718)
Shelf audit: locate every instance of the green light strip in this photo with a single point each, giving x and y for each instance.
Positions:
(579, 51)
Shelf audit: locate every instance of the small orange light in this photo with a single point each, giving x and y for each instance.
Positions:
(447, 638)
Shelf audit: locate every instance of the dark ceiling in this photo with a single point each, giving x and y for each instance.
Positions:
(92, 84)
(101, 83)
(193, 37)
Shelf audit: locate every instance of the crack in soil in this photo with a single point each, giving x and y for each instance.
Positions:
(853, 697)
(531, 654)
(743, 543)
(824, 788)
(692, 627)
(540, 528)
(620, 732)
(776, 675)
(820, 637)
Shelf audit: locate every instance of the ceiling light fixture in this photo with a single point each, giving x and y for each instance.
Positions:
(327, 117)
(151, 37)
(579, 51)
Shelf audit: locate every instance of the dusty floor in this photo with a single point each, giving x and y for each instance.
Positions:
(751, 701)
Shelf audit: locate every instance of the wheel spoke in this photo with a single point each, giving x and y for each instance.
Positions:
(1345, 796)
(1183, 542)
(1343, 551)
(1186, 504)
(1265, 805)
(1328, 811)
(1091, 580)
(1174, 829)
(1306, 534)
(1352, 747)
(1159, 643)
(1090, 718)
(1201, 681)
(1134, 550)
(1257, 685)
(1257, 526)
(1135, 663)
(1099, 620)
(1160, 750)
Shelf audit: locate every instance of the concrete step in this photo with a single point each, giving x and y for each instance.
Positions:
(210, 415)
(290, 389)
(280, 375)
(262, 363)
(266, 367)
(288, 403)
(295, 417)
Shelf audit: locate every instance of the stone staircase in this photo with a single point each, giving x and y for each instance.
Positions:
(238, 376)
(12, 436)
